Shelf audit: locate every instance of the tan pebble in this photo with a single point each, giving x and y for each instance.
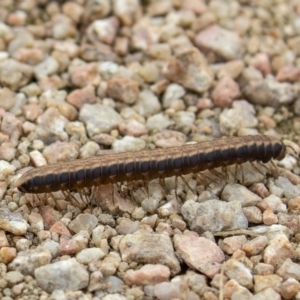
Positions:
(3, 239)
(7, 254)
(132, 128)
(263, 269)
(267, 121)
(169, 138)
(7, 98)
(269, 218)
(37, 158)
(231, 244)
(73, 10)
(233, 290)
(289, 288)
(50, 215)
(32, 111)
(294, 204)
(121, 45)
(106, 29)
(61, 151)
(255, 246)
(7, 151)
(232, 69)
(123, 89)
(51, 83)
(86, 74)
(262, 282)
(259, 189)
(29, 56)
(18, 18)
(253, 214)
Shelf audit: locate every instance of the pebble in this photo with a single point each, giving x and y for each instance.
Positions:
(60, 152)
(255, 246)
(47, 67)
(239, 272)
(27, 261)
(51, 125)
(123, 89)
(14, 74)
(278, 250)
(199, 253)
(237, 192)
(170, 290)
(145, 247)
(262, 282)
(253, 214)
(60, 228)
(290, 190)
(128, 143)
(289, 288)
(99, 118)
(49, 215)
(132, 128)
(7, 98)
(173, 92)
(13, 278)
(269, 92)
(7, 151)
(263, 269)
(85, 256)
(241, 115)
(214, 37)
(72, 276)
(189, 69)
(7, 254)
(225, 91)
(289, 269)
(149, 274)
(214, 215)
(12, 222)
(147, 104)
(79, 97)
(268, 293)
(289, 73)
(83, 222)
(233, 290)
(169, 138)
(230, 244)
(11, 127)
(85, 75)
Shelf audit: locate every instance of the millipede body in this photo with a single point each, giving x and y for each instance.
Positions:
(150, 164)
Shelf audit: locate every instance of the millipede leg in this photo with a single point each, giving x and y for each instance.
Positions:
(176, 183)
(162, 183)
(187, 184)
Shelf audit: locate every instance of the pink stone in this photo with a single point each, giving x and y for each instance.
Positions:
(60, 228)
(67, 247)
(225, 92)
(262, 63)
(288, 73)
(147, 275)
(82, 96)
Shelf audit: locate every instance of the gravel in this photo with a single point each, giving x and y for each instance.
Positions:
(80, 80)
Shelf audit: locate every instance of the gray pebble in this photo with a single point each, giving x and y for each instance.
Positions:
(83, 222)
(129, 143)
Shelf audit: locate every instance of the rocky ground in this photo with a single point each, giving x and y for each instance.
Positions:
(82, 78)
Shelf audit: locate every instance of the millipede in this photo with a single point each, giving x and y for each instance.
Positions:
(150, 164)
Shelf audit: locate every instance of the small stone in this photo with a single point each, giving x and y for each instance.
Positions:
(106, 29)
(126, 226)
(239, 272)
(189, 69)
(89, 149)
(214, 215)
(278, 250)
(230, 244)
(253, 214)
(7, 254)
(169, 138)
(263, 269)
(7, 98)
(51, 126)
(7, 151)
(288, 73)
(269, 218)
(60, 152)
(85, 75)
(47, 67)
(13, 278)
(148, 103)
(60, 228)
(145, 247)
(273, 202)
(199, 253)
(212, 38)
(6, 169)
(170, 290)
(123, 89)
(72, 276)
(237, 192)
(173, 92)
(27, 261)
(32, 111)
(289, 190)
(289, 288)
(12, 222)
(50, 215)
(147, 275)
(99, 118)
(255, 246)
(3, 239)
(261, 62)
(87, 255)
(225, 92)
(129, 143)
(83, 222)
(14, 74)
(268, 293)
(82, 96)
(289, 269)
(132, 128)
(262, 282)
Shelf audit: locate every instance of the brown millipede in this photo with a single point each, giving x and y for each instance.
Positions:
(150, 164)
